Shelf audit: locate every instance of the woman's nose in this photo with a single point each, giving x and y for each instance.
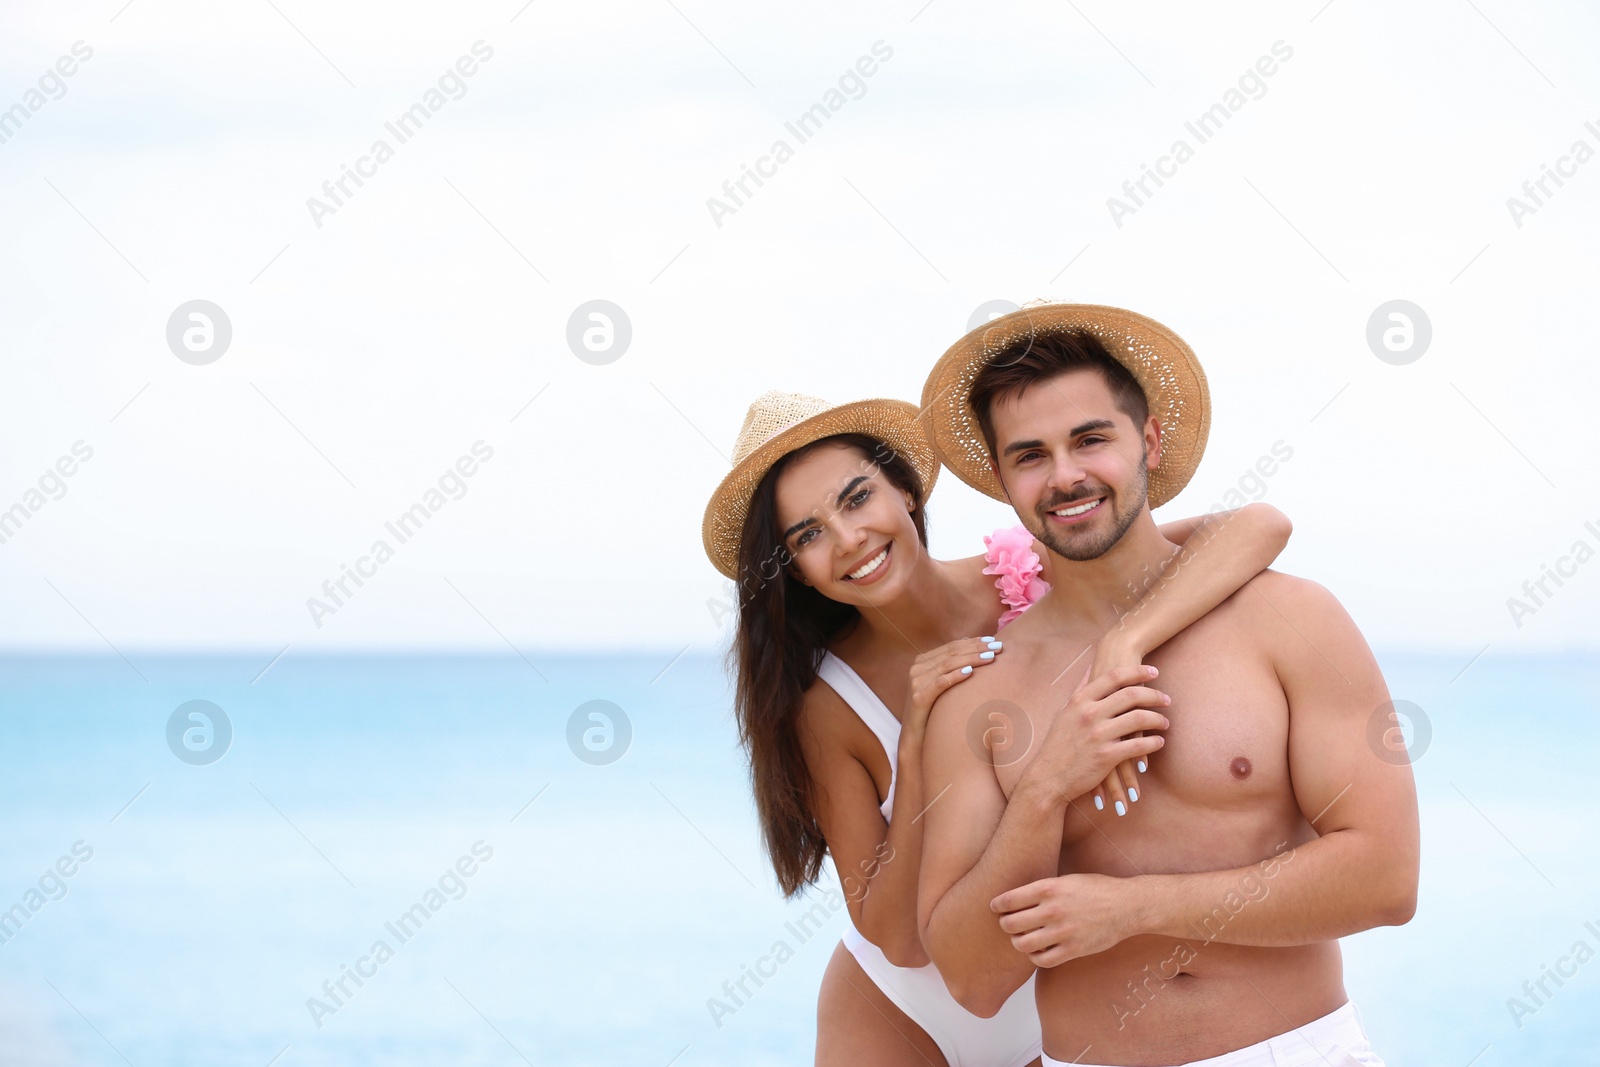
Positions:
(851, 535)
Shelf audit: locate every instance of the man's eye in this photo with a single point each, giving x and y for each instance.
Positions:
(1026, 456)
(1092, 439)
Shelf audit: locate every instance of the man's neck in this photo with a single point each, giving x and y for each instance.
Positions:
(1094, 593)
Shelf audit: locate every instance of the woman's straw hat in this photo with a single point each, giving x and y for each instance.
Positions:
(777, 424)
(1165, 367)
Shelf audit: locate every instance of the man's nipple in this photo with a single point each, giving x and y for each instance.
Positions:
(1240, 768)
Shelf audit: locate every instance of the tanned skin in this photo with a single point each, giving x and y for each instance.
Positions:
(1267, 828)
(921, 620)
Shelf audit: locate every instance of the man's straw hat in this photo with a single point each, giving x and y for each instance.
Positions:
(1165, 367)
(777, 424)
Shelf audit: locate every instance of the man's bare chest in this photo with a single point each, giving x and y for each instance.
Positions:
(1226, 752)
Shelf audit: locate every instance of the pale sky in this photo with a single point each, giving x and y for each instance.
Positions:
(371, 352)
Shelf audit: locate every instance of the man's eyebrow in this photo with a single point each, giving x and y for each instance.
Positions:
(808, 520)
(1093, 424)
(1081, 428)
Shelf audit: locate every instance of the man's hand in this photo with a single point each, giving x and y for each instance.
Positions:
(1058, 919)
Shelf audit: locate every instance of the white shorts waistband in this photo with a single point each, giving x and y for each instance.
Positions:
(1335, 1040)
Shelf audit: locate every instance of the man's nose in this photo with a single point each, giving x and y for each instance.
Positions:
(1066, 474)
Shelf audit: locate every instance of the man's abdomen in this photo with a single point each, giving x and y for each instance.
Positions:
(1160, 1000)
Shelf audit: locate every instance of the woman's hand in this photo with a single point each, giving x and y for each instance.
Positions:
(1103, 726)
(1121, 787)
(934, 672)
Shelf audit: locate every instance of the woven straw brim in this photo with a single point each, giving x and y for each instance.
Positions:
(1166, 368)
(894, 422)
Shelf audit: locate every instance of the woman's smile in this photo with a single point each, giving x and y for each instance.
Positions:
(870, 570)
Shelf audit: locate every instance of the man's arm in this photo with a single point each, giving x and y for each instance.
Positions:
(1230, 548)
(1247, 540)
(1359, 872)
(973, 846)
(976, 844)
(1361, 869)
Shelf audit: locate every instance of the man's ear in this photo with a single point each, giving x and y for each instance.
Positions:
(1152, 442)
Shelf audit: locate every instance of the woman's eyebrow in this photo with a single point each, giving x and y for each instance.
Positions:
(808, 520)
(857, 480)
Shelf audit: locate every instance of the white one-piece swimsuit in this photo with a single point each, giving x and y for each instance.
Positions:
(1011, 1038)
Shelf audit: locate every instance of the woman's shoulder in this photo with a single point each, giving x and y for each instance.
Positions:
(829, 728)
(998, 547)
(818, 696)
(823, 711)
(1011, 538)
(971, 568)
(1005, 550)
(1018, 563)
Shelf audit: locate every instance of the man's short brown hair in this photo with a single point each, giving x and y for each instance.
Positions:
(1032, 360)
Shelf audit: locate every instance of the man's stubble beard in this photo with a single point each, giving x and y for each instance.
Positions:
(1080, 549)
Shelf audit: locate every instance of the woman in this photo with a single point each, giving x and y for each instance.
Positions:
(821, 524)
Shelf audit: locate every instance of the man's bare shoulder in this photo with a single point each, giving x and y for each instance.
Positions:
(1304, 628)
(990, 681)
(955, 703)
(1274, 598)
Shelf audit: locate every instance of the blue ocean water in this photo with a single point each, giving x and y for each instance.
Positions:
(607, 903)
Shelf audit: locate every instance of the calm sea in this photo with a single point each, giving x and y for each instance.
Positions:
(534, 906)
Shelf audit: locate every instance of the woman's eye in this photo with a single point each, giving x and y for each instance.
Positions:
(804, 539)
(860, 498)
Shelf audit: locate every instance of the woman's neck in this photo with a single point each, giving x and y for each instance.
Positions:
(935, 609)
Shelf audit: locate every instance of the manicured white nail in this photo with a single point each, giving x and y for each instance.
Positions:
(1121, 808)
(1142, 767)
(986, 655)
(1099, 805)
(1133, 794)
(966, 670)
(986, 638)
(997, 644)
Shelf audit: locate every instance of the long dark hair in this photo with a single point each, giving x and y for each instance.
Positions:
(784, 627)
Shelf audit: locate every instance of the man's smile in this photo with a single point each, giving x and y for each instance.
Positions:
(1071, 514)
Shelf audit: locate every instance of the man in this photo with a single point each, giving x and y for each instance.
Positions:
(1204, 920)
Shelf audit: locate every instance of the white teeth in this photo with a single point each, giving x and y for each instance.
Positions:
(868, 567)
(1079, 510)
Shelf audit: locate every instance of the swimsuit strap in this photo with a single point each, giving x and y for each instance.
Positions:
(854, 691)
